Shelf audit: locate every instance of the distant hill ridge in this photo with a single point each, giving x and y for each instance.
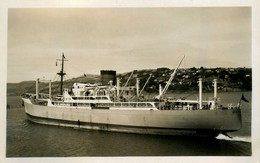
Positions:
(229, 79)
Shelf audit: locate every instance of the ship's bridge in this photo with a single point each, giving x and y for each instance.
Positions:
(80, 89)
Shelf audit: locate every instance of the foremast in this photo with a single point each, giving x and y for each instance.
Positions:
(61, 73)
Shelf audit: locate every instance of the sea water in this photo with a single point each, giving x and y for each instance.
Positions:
(28, 139)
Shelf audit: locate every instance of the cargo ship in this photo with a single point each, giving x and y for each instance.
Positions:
(111, 107)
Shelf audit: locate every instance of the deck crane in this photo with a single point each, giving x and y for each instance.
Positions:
(126, 83)
(163, 92)
(144, 85)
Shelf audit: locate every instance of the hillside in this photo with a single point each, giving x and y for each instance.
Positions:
(229, 79)
(16, 89)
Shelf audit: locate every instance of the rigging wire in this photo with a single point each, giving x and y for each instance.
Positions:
(33, 84)
(185, 66)
(73, 68)
(58, 85)
(54, 79)
(67, 76)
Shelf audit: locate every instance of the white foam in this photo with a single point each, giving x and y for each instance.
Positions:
(235, 138)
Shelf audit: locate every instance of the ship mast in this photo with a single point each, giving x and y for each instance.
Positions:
(61, 73)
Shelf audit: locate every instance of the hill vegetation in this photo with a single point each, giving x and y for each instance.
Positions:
(229, 79)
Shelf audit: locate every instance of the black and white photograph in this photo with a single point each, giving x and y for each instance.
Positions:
(126, 82)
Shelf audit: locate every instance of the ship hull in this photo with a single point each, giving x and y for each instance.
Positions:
(160, 122)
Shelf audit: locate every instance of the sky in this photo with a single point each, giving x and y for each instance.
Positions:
(125, 39)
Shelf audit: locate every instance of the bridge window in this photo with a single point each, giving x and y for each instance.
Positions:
(133, 104)
(99, 98)
(118, 104)
(104, 98)
(149, 105)
(141, 104)
(125, 104)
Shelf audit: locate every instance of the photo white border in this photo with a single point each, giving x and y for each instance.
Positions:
(255, 4)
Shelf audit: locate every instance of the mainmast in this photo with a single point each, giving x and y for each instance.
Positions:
(61, 73)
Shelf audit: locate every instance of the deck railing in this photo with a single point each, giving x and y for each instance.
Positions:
(112, 105)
